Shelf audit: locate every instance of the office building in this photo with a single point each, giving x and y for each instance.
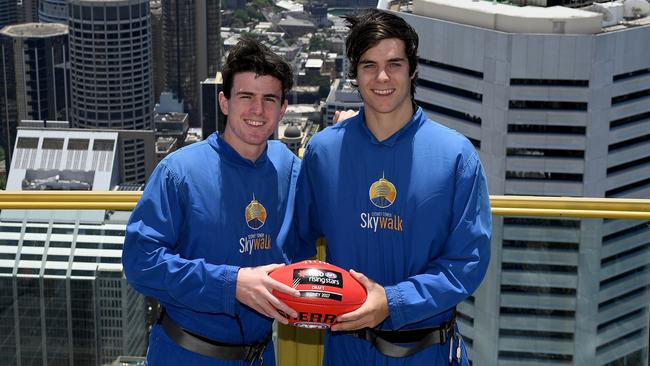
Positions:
(28, 11)
(557, 105)
(111, 69)
(33, 77)
(53, 11)
(8, 12)
(157, 46)
(191, 48)
(64, 297)
(343, 96)
(212, 119)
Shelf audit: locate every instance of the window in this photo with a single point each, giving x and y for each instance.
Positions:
(449, 112)
(630, 97)
(547, 105)
(450, 90)
(573, 177)
(533, 152)
(549, 82)
(452, 68)
(27, 143)
(630, 74)
(551, 129)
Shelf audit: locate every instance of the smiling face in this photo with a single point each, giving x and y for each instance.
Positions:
(384, 80)
(254, 109)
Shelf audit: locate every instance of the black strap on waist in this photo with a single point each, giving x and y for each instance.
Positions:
(209, 347)
(388, 341)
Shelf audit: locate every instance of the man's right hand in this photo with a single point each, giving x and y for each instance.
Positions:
(254, 286)
(340, 116)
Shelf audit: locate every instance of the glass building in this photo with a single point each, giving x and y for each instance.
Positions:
(191, 49)
(33, 77)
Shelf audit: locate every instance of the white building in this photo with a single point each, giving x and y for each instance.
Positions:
(64, 297)
(557, 105)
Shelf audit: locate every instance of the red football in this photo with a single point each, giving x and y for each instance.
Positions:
(326, 291)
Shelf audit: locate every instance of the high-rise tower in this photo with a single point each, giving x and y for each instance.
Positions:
(53, 11)
(111, 73)
(8, 12)
(32, 77)
(191, 33)
(558, 104)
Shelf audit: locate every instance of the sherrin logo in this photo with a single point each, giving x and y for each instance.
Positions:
(382, 193)
(255, 214)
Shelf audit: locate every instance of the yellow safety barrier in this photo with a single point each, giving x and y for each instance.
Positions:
(616, 208)
(303, 347)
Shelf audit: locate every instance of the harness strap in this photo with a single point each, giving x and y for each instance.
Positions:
(209, 347)
(388, 342)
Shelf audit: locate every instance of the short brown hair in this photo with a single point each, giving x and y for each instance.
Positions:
(371, 26)
(248, 55)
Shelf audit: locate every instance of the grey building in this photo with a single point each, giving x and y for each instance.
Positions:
(8, 12)
(191, 49)
(33, 77)
(111, 68)
(28, 11)
(212, 119)
(557, 105)
(343, 96)
(157, 47)
(63, 297)
(53, 11)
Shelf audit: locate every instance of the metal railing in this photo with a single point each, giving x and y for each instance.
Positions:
(305, 347)
(583, 207)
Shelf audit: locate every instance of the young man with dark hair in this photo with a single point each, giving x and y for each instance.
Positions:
(212, 220)
(402, 201)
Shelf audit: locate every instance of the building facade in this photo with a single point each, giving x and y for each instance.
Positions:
(111, 68)
(63, 297)
(53, 11)
(33, 77)
(191, 49)
(554, 109)
(343, 96)
(8, 12)
(212, 119)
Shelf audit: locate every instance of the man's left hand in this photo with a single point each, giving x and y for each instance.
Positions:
(371, 313)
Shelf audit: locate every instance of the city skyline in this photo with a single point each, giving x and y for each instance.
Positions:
(556, 101)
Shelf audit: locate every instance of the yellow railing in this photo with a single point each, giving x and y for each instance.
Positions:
(304, 347)
(616, 208)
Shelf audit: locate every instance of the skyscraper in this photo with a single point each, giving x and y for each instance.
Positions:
(111, 72)
(557, 104)
(53, 11)
(212, 119)
(8, 12)
(32, 76)
(28, 11)
(192, 50)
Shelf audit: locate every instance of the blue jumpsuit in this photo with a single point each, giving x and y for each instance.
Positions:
(205, 212)
(411, 212)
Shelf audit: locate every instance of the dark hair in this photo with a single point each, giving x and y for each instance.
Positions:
(248, 55)
(371, 26)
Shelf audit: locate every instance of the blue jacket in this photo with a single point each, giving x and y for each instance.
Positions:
(411, 212)
(205, 212)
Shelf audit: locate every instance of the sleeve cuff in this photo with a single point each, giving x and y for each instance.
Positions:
(228, 278)
(395, 301)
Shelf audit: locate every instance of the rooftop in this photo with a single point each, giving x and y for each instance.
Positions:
(521, 19)
(34, 30)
